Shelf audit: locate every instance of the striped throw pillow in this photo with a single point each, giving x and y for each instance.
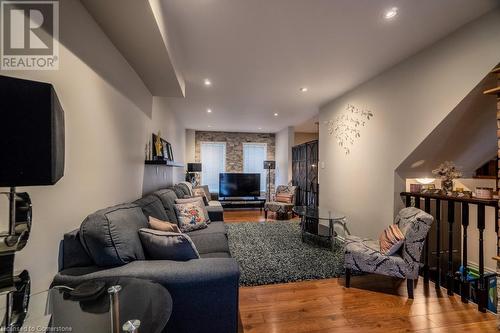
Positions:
(284, 197)
(391, 240)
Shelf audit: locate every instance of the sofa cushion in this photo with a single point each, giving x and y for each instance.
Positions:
(110, 236)
(179, 191)
(73, 252)
(185, 188)
(162, 245)
(213, 228)
(210, 243)
(215, 255)
(151, 206)
(167, 198)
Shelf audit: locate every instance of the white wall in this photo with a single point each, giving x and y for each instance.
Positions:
(190, 146)
(109, 117)
(284, 143)
(408, 102)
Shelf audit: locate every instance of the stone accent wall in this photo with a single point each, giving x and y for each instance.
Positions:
(234, 147)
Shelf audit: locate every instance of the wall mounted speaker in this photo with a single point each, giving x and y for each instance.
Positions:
(32, 129)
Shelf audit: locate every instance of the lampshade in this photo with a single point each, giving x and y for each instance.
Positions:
(32, 128)
(194, 167)
(269, 165)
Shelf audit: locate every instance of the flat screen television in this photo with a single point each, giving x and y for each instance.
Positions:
(239, 184)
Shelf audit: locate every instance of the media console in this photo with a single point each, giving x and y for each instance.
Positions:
(243, 202)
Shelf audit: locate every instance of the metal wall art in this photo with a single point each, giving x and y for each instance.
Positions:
(346, 127)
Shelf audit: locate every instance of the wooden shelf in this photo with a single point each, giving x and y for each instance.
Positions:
(163, 162)
(496, 71)
(497, 258)
(493, 91)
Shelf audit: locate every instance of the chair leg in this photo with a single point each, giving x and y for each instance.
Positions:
(409, 284)
(347, 277)
(265, 213)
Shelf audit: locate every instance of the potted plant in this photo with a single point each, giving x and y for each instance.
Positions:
(447, 171)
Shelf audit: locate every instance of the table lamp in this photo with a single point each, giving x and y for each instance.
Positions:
(192, 171)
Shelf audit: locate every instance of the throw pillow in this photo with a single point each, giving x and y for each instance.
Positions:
(190, 216)
(160, 225)
(197, 192)
(391, 240)
(207, 191)
(198, 201)
(162, 245)
(284, 197)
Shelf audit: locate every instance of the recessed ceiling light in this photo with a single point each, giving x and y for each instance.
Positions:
(304, 89)
(276, 114)
(391, 13)
(207, 82)
(260, 128)
(209, 126)
(209, 110)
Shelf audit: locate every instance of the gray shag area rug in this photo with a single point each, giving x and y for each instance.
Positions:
(273, 252)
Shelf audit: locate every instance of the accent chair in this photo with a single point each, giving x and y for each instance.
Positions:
(282, 209)
(364, 255)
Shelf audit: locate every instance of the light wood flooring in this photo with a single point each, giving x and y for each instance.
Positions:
(372, 304)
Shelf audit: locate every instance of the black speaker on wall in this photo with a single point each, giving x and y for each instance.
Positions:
(32, 133)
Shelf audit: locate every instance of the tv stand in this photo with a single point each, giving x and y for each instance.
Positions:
(242, 202)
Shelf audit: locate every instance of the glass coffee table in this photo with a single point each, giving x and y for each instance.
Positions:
(321, 222)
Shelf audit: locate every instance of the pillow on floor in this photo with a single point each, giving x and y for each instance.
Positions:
(160, 225)
(162, 245)
(190, 216)
(391, 240)
(199, 202)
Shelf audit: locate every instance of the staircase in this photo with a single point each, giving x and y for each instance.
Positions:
(496, 92)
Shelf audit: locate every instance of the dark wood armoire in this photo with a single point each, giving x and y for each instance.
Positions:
(305, 173)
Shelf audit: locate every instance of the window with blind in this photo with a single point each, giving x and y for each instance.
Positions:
(254, 155)
(213, 161)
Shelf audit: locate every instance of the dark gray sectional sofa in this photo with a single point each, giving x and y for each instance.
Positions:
(204, 291)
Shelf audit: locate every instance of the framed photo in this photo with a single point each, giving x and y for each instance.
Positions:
(157, 150)
(170, 152)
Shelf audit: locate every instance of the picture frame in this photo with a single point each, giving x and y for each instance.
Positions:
(170, 152)
(166, 153)
(154, 152)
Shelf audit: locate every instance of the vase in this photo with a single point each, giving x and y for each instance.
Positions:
(447, 185)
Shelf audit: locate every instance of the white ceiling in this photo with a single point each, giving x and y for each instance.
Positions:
(258, 53)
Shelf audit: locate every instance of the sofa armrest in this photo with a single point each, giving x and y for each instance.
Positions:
(216, 213)
(208, 287)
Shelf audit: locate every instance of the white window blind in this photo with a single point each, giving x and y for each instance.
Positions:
(213, 161)
(254, 155)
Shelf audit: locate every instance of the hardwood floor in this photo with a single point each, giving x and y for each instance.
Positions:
(373, 304)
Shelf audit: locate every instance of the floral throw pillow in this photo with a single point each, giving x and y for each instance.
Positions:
(199, 202)
(190, 216)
